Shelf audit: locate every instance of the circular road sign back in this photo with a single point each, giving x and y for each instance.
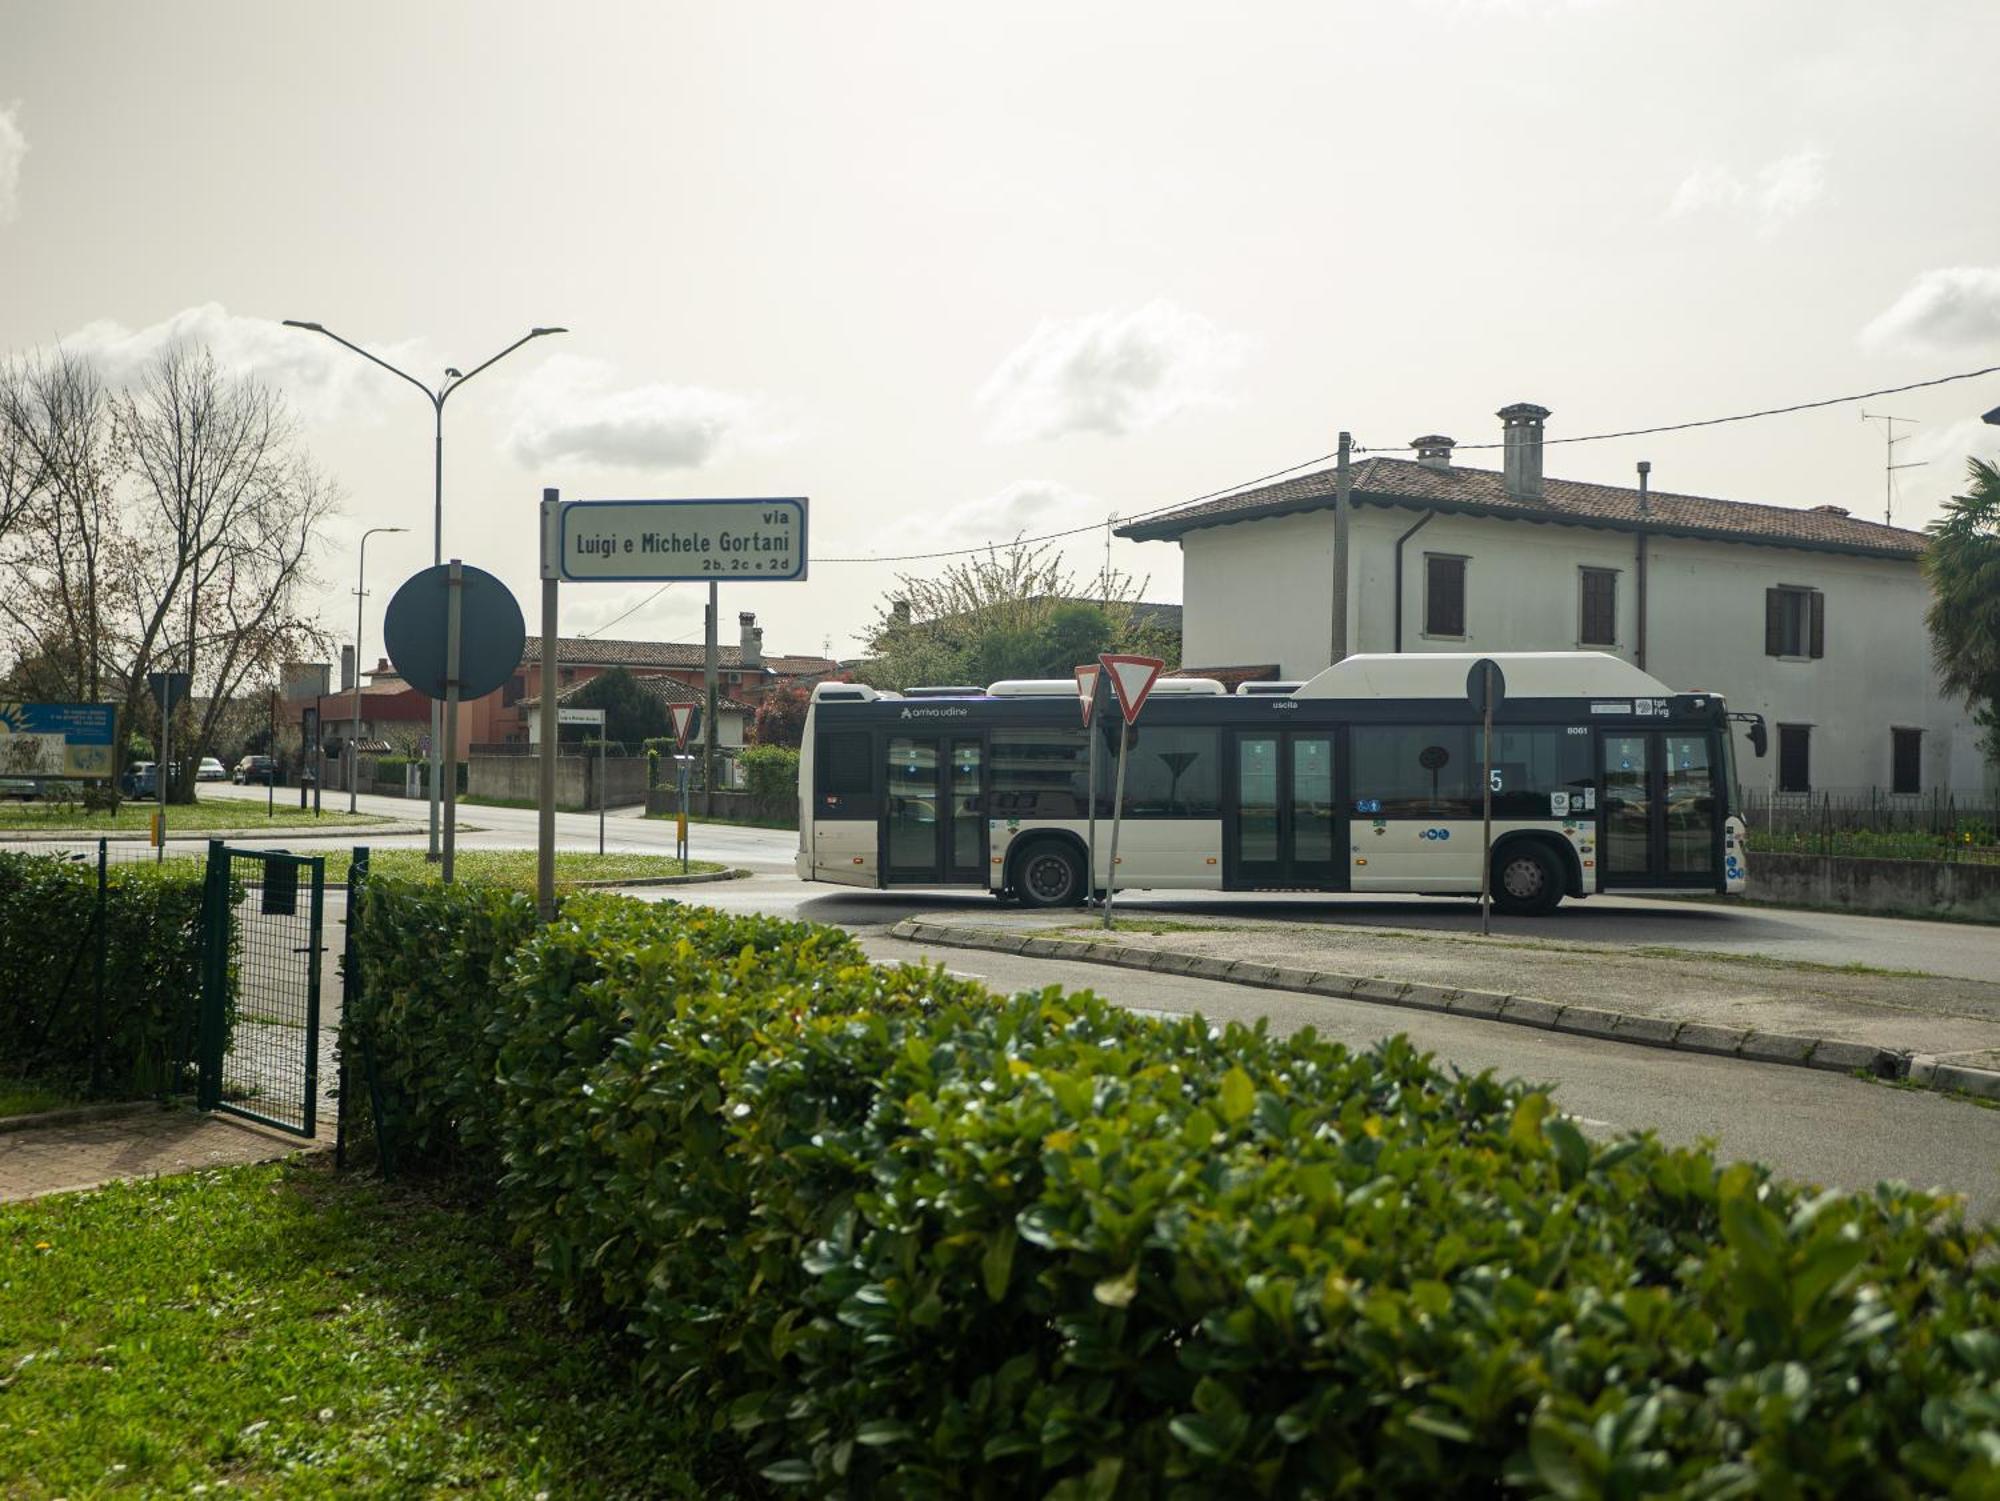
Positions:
(491, 632)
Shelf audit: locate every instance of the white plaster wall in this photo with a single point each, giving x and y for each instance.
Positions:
(1261, 591)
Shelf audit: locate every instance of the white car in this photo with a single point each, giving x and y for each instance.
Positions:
(210, 770)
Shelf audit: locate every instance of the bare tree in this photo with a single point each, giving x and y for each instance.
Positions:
(167, 525)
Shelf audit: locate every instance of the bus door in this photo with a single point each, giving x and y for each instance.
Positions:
(1283, 831)
(934, 818)
(1659, 809)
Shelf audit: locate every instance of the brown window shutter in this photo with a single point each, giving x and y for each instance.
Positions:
(1818, 624)
(1774, 622)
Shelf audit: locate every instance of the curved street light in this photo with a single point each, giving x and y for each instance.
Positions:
(452, 381)
(360, 598)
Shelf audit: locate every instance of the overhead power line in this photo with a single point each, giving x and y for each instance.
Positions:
(1630, 432)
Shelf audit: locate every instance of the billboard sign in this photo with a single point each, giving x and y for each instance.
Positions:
(57, 740)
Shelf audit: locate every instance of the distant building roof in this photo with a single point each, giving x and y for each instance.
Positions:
(586, 651)
(668, 690)
(1405, 482)
(1230, 677)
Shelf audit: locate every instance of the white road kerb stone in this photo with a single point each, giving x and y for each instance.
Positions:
(1830, 1054)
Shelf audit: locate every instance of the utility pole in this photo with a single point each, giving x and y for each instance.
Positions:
(711, 661)
(1342, 499)
(1889, 464)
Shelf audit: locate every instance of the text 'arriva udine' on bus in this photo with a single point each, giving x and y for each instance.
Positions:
(1364, 779)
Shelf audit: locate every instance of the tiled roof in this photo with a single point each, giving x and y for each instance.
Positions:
(1404, 482)
(670, 690)
(576, 651)
(800, 667)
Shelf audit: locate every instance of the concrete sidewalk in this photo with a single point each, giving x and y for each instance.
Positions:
(63, 1158)
(1923, 1028)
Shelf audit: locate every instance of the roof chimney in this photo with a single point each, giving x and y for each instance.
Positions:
(1521, 425)
(751, 639)
(1433, 450)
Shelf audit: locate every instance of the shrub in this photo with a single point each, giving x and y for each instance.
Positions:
(100, 797)
(908, 1238)
(152, 981)
(770, 772)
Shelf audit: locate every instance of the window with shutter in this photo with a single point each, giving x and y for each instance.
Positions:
(1598, 621)
(1444, 595)
(1795, 758)
(1794, 622)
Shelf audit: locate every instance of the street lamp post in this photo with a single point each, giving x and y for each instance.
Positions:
(452, 381)
(360, 598)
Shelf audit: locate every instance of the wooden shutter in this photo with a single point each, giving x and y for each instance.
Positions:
(1818, 644)
(1774, 622)
(1444, 612)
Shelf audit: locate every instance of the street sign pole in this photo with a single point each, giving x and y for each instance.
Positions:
(1117, 816)
(1086, 684)
(160, 770)
(1486, 794)
(545, 801)
(453, 609)
(603, 791)
(1485, 685)
(1132, 679)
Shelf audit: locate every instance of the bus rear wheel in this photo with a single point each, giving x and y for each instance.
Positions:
(1527, 881)
(1048, 874)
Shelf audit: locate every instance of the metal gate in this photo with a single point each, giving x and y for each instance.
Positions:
(262, 913)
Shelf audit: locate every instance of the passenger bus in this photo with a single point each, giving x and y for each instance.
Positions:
(1364, 779)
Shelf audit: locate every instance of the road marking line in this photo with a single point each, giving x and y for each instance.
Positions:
(960, 974)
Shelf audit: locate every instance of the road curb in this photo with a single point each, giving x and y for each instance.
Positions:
(693, 878)
(1832, 1055)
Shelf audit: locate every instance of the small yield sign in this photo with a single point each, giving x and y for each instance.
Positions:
(1086, 697)
(1132, 679)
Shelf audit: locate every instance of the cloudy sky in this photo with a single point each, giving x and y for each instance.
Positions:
(955, 272)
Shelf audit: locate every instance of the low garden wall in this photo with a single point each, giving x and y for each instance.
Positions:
(1919, 888)
(902, 1236)
(518, 779)
(743, 806)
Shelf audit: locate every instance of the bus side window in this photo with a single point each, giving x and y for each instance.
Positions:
(844, 773)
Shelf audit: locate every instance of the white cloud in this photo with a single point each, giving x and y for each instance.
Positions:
(1025, 508)
(1113, 372)
(321, 380)
(571, 410)
(13, 147)
(1773, 195)
(1951, 308)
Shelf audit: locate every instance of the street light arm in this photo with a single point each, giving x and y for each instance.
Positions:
(435, 398)
(531, 334)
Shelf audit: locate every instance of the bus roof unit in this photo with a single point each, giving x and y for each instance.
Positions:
(1529, 674)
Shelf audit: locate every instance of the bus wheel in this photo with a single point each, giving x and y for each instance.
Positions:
(1527, 882)
(1048, 874)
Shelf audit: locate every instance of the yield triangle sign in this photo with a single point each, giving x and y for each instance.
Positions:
(683, 717)
(1132, 678)
(1086, 690)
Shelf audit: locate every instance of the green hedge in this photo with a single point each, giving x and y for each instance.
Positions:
(770, 772)
(909, 1238)
(48, 977)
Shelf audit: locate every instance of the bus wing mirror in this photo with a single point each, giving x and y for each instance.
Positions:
(1760, 738)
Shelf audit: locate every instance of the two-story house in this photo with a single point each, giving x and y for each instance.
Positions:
(1812, 617)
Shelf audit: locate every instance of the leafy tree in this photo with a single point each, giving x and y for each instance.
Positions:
(781, 716)
(1962, 563)
(632, 712)
(1012, 612)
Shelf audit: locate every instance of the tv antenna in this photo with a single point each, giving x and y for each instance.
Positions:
(1889, 464)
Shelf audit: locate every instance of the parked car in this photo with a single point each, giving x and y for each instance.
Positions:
(257, 769)
(210, 770)
(24, 789)
(141, 779)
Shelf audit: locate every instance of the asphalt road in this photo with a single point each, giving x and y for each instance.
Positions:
(1810, 1125)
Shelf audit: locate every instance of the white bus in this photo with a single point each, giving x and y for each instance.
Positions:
(1364, 779)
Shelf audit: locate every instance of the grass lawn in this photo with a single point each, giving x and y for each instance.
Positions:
(21, 1095)
(517, 867)
(137, 818)
(277, 1331)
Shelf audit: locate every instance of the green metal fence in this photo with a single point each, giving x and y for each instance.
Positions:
(263, 942)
